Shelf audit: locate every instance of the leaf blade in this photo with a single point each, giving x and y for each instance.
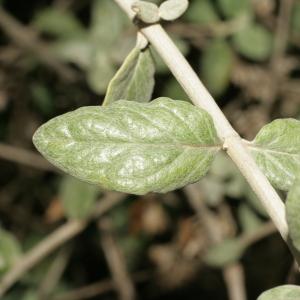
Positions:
(132, 147)
(293, 212)
(134, 80)
(284, 292)
(276, 149)
(172, 9)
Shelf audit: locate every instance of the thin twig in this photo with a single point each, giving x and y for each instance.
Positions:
(54, 273)
(57, 238)
(233, 274)
(25, 157)
(98, 288)
(116, 262)
(27, 39)
(234, 277)
(232, 141)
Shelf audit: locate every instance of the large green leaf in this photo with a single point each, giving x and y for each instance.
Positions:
(132, 147)
(134, 80)
(216, 66)
(293, 213)
(276, 149)
(284, 292)
(77, 197)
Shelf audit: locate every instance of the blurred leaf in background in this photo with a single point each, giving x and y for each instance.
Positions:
(78, 198)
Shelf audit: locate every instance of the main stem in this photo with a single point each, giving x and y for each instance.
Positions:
(200, 96)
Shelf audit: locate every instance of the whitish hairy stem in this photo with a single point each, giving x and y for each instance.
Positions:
(53, 241)
(199, 95)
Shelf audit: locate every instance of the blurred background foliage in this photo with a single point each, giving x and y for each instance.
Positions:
(201, 242)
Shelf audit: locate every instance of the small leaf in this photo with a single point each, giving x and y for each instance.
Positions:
(201, 12)
(77, 51)
(216, 66)
(234, 8)
(249, 220)
(10, 250)
(284, 292)
(146, 11)
(174, 90)
(225, 253)
(295, 19)
(77, 197)
(100, 71)
(254, 42)
(107, 23)
(61, 24)
(132, 147)
(172, 9)
(293, 213)
(135, 79)
(276, 149)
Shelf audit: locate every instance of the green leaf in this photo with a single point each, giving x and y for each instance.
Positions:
(254, 42)
(293, 213)
(61, 24)
(146, 11)
(295, 19)
(132, 147)
(77, 51)
(234, 8)
(160, 65)
(10, 250)
(225, 253)
(107, 24)
(172, 9)
(173, 90)
(216, 66)
(100, 71)
(276, 149)
(134, 80)
(77, 197)
(249, 220)
(201, 12)
(284, 292)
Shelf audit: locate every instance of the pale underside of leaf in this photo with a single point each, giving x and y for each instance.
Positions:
(276, 150)
(146, 11)
(132, 147)
(172, 9)
(284, 292)
(134, 80)
(293, 213)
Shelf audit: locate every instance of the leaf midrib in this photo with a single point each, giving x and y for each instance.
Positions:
(177, 145)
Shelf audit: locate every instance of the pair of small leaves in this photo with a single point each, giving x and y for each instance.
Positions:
(134, 81)
(169, 10)
(132, 147)
(284, 292)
